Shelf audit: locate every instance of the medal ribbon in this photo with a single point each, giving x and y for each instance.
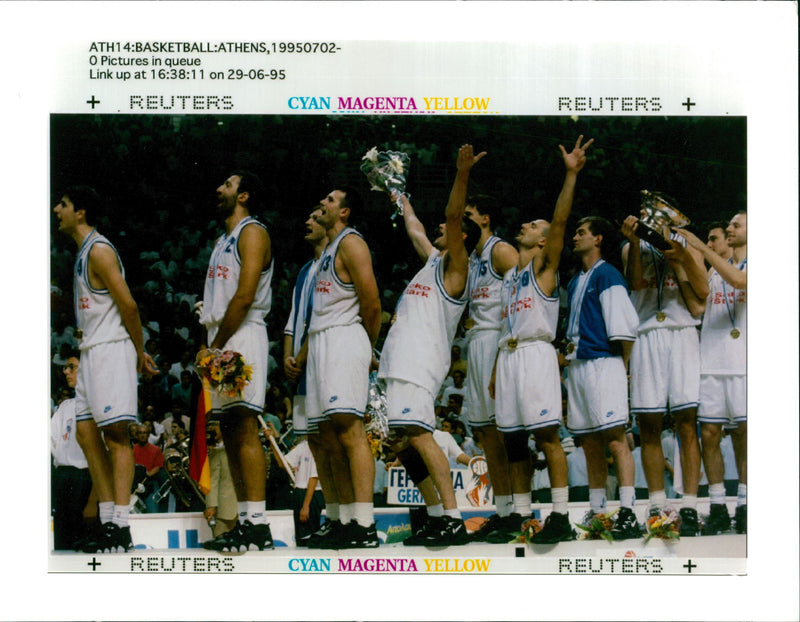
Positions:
(578, 301)
(660, 270)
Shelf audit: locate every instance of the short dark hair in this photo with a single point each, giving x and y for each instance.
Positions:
(86, 198)
(599, 226)
(473, 231)
(487, 206)
(251, 183)
(352, 200)
(717, 224)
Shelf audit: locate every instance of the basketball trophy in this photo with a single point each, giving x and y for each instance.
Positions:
(659, 216)
(387, 171)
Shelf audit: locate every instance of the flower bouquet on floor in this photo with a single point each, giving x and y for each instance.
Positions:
(665, 525)
(224, 371)
(387, 171)
(597, 527)
(530, 528)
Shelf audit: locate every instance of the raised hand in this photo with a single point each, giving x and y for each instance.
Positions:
(575, 159)
(690, 238)
(629, 228)
(466, 158)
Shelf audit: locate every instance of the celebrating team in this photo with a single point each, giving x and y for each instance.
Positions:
(514, 379)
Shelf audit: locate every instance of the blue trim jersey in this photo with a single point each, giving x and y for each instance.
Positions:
(300, 315)
(96, 313)
(417, 348)
(335, 303)
(600, 312)
(484, 288)
(527, 314)
(222, 280)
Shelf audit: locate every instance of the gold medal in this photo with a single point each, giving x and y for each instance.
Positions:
(661, 316)
(77, 333)
(570, 348)
(735, 333)
(469, 323)
(512, 344)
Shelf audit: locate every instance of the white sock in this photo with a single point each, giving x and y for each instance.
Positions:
(435, 510)
(689, 501)
(454, 513)
(332, 510)
(522, 503)
(627, 496)
(241, 507)
(504, 504)
(560, 499)
(257, 512)
(741, 495)
(106, 511)
(364, 514)
(345, 513)
(658, 499)
(120, 515)
(597, 500)
(716, 493)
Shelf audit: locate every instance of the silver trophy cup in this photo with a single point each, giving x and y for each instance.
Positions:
(659, 215)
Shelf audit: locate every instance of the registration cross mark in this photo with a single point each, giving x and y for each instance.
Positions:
(689, 565)
(94, 564)
(93, 101)
(688, 103)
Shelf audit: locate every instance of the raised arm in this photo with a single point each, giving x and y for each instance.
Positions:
(457, 258)
(574, 161)
(415, 230)
(104, 266)
(691, 274)
(632, 254)
(734, 277)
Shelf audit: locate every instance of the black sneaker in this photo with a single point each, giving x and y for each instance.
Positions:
(626, 526)
(418, 537)
(556, 529)
(254, 537)
(718, 520)
(224, 541)
(328, 536)
(506, 529)
(446, 531)
(690, 525)
(359, 537)
(741, 518)
(110, 539)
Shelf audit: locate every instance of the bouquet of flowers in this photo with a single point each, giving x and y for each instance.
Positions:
(387, 171)
(377, 423)
(597, 526)
(226, 372)
(530, 528)
(665, 525)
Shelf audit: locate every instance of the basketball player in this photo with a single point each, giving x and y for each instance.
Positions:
(668, 290)
(236, 300)
(490, 260)
(416, 354)
(723, 380)
(528, 383)
(345, 322)
(718, 240)
(111, 343)
(600, 333)
(295, 353)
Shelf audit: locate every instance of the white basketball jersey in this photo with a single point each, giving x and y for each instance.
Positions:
(726, 311)
(484, 288)
(334, 302)
(527, 314)
(662, 292)
(417, 348)
(222, 280)
(96, 313)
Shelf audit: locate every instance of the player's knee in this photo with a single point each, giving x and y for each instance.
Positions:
(413, 464)
(516, 444)
(710, 434)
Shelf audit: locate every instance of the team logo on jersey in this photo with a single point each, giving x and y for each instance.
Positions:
(609, 414)
(106, 409)
(333, 399)
(406, 411)
(544, 412)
